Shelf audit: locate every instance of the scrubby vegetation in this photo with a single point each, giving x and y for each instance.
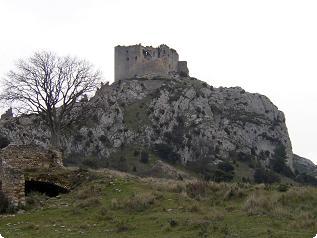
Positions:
(278, 164)
(85, 162)
(222, 172)
(113, 204)
(4, 142)
(165, 152)
(135, 115)
(266, 176)
(306, 179)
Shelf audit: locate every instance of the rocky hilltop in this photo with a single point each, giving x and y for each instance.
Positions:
(180, 120)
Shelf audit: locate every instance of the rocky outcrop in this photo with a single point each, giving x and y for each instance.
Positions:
(191, 120)
(304, 166)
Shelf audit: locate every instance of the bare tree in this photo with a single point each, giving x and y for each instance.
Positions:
(50, 86)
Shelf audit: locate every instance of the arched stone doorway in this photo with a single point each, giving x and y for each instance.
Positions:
(48, 188)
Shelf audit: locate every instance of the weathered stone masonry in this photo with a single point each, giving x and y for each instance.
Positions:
(15, 160)
(147, 61)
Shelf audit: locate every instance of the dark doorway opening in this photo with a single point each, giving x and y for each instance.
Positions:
(49, 189)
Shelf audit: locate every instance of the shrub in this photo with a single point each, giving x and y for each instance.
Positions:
(258, 204)
(94, 163)
(4, 142)
(104, 211)
(243, 156)
(265, 176)
(282, 188)
(166, 153)
(78, 137)
(225, 166)
(104, 140)
(234, 192)
(221, 176)
(122, 226)
(197, 189)
(77, 159)
(72, 159)
(144, 157)
(119, 163)
(306, 179)
(90, 133)
(194, 207)
(136, 153)
(208, 172)
(278, 163)
(176, 136)
(173, 223)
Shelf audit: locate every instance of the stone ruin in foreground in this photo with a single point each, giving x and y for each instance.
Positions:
(137, 61)
(16, 161)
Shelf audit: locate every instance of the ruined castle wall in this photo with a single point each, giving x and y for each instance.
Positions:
(182, 68)
(26, 157)
(13, 185)
(132, 61)
(15, 160)
(125, 59)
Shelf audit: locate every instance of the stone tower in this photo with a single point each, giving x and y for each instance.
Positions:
(138, 61)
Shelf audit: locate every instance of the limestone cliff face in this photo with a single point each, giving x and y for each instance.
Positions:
(197, 121)
(303, 165)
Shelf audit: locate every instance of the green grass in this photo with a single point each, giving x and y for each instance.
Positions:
(108, 204)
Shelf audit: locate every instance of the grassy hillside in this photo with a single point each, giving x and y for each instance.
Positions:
(109, 204)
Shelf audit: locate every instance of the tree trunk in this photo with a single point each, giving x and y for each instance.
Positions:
(55, 138)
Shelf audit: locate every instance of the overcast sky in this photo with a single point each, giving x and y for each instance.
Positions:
(268, 47)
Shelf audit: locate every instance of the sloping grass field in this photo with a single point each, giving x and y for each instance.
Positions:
(111, 204)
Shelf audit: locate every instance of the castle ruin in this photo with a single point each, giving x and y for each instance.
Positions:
(15, 163)
(146, 61)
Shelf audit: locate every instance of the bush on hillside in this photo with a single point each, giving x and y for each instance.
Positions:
(4, 142)
(282, 188)
(306, 179)
(225, 166)
(76, 159)
(94, 163)
(221, 176)
(222, 173)
(144, 157)
(265, 176)
(165, 152)
(278, 163)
